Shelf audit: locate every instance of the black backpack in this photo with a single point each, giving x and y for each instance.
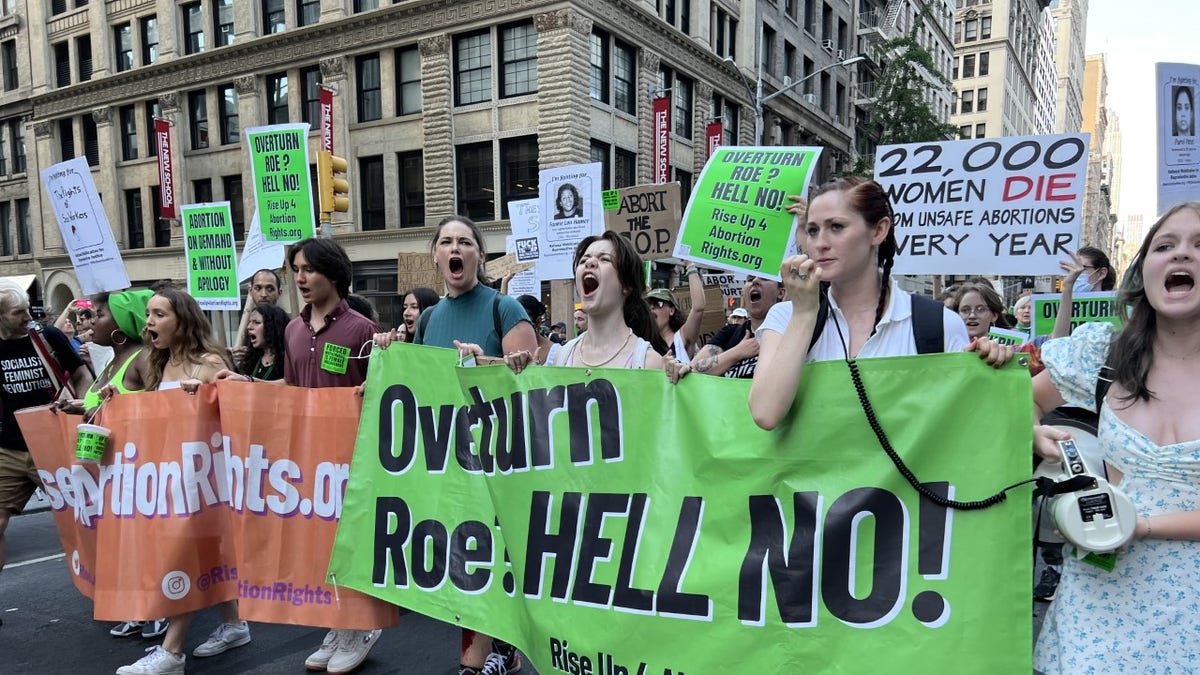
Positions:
(928, 329)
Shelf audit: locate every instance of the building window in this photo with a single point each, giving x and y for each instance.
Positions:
(24, 230)
(133, 219)
(599, 153)
(971, 31)
(17, 127)
(129, 148)
(767, 50)
(968, 66)
(685, 184)
(981, 100)
(518, 60)
(370, 94)
(123, 42)
(232, 188)
(153, 112)
(230, 124)
(365, 5)
(476, 196)
(5, 233)
(310, 85)
(984, 62)
(370, 185)
(985, 28)
(193, 28)
(624, 78)
(274, 17)
(789, 59)
(681, 95)
(685, 17)
(980, 131)
(411, 167)
(598, 58)
(12, 75)
(308, 11)
(277, 98)
(66, 140)
(149, 26)
(377, 283)
(408, 80)
(198, 115)
(624, 168)
(83, 56)
(968, 102)
(3, 152)
(518, 170)
(473, 68)
(964, 131)
(91, 142)
(57, 7)
(223, 22)
(726, 112)
(202, 190)
(62, 64)
(162, 226)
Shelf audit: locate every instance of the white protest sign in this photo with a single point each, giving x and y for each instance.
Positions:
(86, 233)
(523, 243)
(731, 284)
(997, 206)
(571, 209)
(525, 282)
(1178, 144)
(258, 253)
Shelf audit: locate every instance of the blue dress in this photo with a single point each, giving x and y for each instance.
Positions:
(1144, 616)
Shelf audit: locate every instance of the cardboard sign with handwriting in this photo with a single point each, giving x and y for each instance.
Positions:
(416, 270)
(505, 265)
(648, 215)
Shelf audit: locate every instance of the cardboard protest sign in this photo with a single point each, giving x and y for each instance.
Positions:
(1006, 336)
(283, 195)
(605, 516)
(257, 254)
(505, 265)
(1085, 308)
(736, 218)
(999, 205)
(1178, 88)
(647, 215)
(52, 447)
(714, 308)
(417, 270)
(570, 209)
(211, 255)
(86, 233)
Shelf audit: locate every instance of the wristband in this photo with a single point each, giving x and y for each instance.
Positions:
(689, 270)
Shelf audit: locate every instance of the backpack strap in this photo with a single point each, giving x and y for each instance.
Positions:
(496, 320)
(929, 329)
(1104, 380)
(422, 322)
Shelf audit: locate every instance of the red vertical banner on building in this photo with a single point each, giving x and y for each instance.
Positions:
(662, 139)
(326, 119)
(166, 177)
(713, 133)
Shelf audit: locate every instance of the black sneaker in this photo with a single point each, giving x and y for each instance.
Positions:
(493, 666)
(512, 658)
(1047, 585)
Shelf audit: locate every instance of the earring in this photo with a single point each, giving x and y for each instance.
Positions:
(113, 338)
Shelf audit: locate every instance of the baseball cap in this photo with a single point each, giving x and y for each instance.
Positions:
(740, 311)
(661, 294)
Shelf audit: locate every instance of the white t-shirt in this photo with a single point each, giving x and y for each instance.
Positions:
(893, 335)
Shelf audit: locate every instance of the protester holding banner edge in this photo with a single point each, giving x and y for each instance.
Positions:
(851, 244)
(265, 344)
(680, 335)
(736, 342)
(1151, 441)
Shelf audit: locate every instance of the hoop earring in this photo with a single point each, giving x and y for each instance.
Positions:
(113, 338)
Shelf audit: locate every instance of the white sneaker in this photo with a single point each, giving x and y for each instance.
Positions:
(352, 650)
(319, 659)
(225, 637)
(157, 662)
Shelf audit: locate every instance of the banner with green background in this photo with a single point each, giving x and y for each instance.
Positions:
(283, 192)
(1085, 308)
(211, 255)
(605, 519)
(736, 218)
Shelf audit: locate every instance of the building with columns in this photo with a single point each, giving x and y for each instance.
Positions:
(442, 107)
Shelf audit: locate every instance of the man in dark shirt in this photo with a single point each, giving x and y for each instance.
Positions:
(733, 350)
(25, 382)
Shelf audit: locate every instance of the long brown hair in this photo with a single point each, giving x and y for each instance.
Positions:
(632, 275)
(1132, 351)
(193, 336)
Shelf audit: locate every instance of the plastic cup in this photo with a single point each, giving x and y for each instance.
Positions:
(91, 443)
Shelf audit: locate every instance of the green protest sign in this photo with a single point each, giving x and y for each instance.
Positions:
(282, 186)
(1085, 308)
(211, 255)
(607, 522)
(736, 218)
(1006, 336)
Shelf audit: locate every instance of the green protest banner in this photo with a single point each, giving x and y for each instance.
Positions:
(1085, 308)
(1006, 336)
(282, 185)
(211, 255)
(736, 218)
(606, 522)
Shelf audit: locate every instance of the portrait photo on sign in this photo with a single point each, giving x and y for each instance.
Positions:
(568, 202)
(1183, 111)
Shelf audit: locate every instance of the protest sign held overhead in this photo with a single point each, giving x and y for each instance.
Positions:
(736, 218)
(257, 254)
(86, 233)
(417, 270)
(571, 209)
(282, 182)
(1178, 85)
(647, 215)
(211, 255)
(523, 245)
(1085, 308)
(996, 206)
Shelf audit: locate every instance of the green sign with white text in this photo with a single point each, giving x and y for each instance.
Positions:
(283, 192)
(736, 218)
(606, 521)
(1085, 308)
(211, 255)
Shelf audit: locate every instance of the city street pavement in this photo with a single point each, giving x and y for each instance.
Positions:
(48, 626)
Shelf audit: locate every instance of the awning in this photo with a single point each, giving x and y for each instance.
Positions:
(25, 281)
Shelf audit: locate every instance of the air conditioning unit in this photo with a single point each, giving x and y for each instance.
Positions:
(810, 98)
(787, 81)
(827, 45)
(841, 54)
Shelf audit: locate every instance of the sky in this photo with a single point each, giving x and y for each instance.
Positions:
(1134, 36)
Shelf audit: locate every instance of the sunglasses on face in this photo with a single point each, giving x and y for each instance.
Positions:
(659, 304)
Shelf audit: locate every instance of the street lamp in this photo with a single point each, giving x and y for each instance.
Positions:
(757, 93)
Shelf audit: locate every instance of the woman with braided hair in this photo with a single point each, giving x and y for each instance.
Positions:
(850, 247)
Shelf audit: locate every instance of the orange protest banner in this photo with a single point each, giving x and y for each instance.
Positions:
(291, 447)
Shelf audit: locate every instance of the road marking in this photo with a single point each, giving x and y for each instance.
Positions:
(56, 556)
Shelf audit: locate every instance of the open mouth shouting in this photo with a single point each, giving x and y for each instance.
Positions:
(455, 266)
(153, 334)
(1179, 283)
(588, 284)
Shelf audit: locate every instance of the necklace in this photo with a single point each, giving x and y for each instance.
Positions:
(620, 348)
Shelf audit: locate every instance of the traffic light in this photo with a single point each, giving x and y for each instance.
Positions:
(332, 186)
(1058, 285)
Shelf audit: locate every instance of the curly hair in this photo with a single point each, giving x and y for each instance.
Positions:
(275, 322)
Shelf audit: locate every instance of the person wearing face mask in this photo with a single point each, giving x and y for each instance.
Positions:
(1088, 271)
